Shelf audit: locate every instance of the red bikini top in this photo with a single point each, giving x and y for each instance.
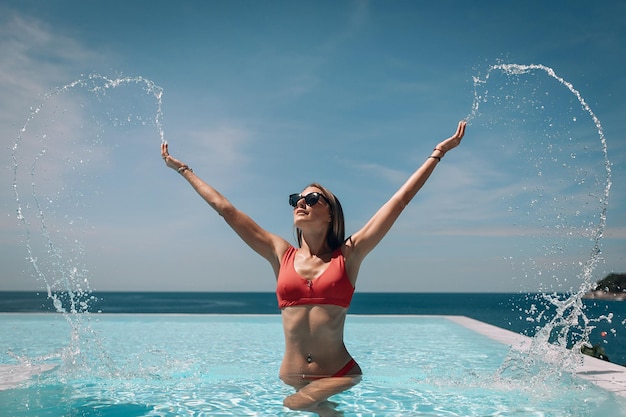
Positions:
(332, 287)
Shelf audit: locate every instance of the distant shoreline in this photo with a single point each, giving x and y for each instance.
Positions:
(605, 295)
(610, 288)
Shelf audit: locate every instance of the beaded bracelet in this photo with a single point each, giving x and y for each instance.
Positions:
(183, 169)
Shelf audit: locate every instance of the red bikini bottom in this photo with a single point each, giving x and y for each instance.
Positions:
(342, 372)
(347, 368)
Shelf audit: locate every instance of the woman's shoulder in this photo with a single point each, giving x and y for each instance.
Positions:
(346, 248)
(285, 250)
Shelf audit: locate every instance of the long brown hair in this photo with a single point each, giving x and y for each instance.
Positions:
(336, 229)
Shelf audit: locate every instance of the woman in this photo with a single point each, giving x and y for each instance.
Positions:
(315, 281)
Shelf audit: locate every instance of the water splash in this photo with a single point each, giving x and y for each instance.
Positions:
(62, 136)
(562, 322)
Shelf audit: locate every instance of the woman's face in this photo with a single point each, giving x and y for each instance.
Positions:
(310, 211)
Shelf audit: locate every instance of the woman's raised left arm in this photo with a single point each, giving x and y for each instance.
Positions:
(366, 239)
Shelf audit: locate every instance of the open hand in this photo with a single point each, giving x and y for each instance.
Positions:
(170, 161)
(454, 140)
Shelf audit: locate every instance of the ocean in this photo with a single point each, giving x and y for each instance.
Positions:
(518, 312)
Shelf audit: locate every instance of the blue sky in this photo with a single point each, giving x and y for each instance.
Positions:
(262, 98)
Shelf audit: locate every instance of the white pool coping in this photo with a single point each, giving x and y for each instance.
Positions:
(606, 375)
(12, 376)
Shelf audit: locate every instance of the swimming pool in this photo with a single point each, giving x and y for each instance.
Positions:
(227, 365)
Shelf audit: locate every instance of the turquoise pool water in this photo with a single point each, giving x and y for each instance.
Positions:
(227, 365)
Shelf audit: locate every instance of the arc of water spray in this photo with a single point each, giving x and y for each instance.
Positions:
(98, 85)
(574, 302)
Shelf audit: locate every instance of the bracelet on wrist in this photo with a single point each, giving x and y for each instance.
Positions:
(438, 158)
(183, 169)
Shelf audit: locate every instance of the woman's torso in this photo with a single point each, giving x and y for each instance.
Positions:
(314, 340)
(314, 312)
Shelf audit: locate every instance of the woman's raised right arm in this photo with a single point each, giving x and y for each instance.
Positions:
(266, 244)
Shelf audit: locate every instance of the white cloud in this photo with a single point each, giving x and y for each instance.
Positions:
(373, 170)
(34, 60)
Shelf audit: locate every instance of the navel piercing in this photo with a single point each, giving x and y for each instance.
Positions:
(309, 359)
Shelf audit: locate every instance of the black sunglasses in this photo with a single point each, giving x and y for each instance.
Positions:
(310, 199)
